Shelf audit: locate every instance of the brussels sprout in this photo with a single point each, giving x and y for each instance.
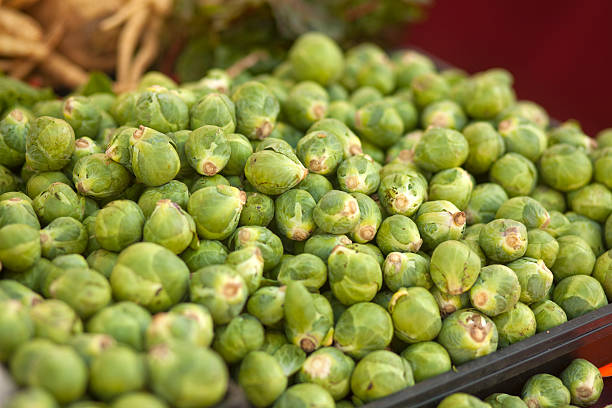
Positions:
(187, 377)
(528, 110)
(368, 65)
(379, 374)
(336, 212)
(467, 334)
(523, 137)
(208, 181)
(208, 253)
(216, 210)
(16, 327)
(32, 398)
(91, 345)
(207, 150)
(454, 185)
(305, 395)
(320, 151)
(354, 277)
(429, 87)
(8, 181)
(118, 148)
(138, 399)
(548, 315)
(516, 174)
(82, 115)
(126, 322)
(570, 133)
(503, 240)
(602, 167)
(119, 224)
(273, 170)
(496, 290)
(329, 368)
(363, 328)
(316, 57)
(410, 309)
(15, 194)
(249, 263)
(485, 147)
(449, 304)
(439, 221)
(351, 144)
(221, 289)
(471, 237)
(565, 168)
(83, 289)
(290, 357)
(593, 201)
(603, 272)
(336, 92)
(39, 182)
(294, 214)
(308, 269)
(546, 391)
(242, 335)
(269, 244)
(322, 245)
(454, 267)
(115, 371)
(306, 103)
(515, 325)
(161, 109)
(379, 123)
(461, 400)
(485, 95)
(484, 203)
(342, 111)
(370, 218)
(266, 304)
(427, 360)
(374, 152)
(262, 378)
(36, 359)
(12, 289)
(58, 200)
(155, 160)
(410, 63)
(364, 95)
(525, 210)
(20, 247)
(49, 144)
(578, 295)
(441, 149)
(551, 199)
(358, 174)
(99, 177)
(405, 269)
(14, 129)
(64, 235)
(258, 210)
(534, 277)
(559, 224)
(445, 114)
(403, 150)
(170, 227)
(213, 109)
(575, 257)
(174, 191)
(55, 320)
(162, 276)
(402, 193)
(240, 150)
(499, 400)
(590, 231)
(584, 382)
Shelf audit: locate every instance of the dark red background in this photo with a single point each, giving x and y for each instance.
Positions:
(560, 52)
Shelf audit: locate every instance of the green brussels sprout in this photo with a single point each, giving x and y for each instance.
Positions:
(402, 193)
(342, 111)
(410, 63)
(138, 399)
(32, 398)
(484, 202)
(375, 152)
(398, 233)
(34, 276)
(467, 334)
(83, 147)
(258, 210)
(14, 128)
(249, 263)
(162, 276)
(329, 368)
(565, 167)
(242, 335)
(273, 340)
(155, 78)
(439, 221)
(336, 212)
(486, 96)
(85, 290)
(266, 304)
(262, 378)
(274, 169)
(358, 174)
(207, 150)
(308, 269)
(180, 139)
(216, 79)
(195, 377)
(525, 210)
(461, 400)
(559, 224)
(427, 360)
(368, 249)
(39, 182)
(320, 151)
(58, 200)
(99, 177)
(287, 133)
(20, 246)
(123, 108)
(593, 201)
(353, 277)
(528, 110)
(15, 194)
(584, 382)
(256, 110)
(415, 315)
(575, 257)
(119, 224)
(603, 272)
(208, 181)
(429, 87)
(213, 109)
(449, 304)
(454, 185)
(364, 95)
(551, 199)
(523, 137)
(155, 160)
(294, 214)
(485, 147)
(49, 144)
(379, 123)
(445, 114)
(571, 133)
(51, 107)
(515, 325)
(499, 400)
(516, 174)
(115, 371)
(336, 92)
(578, 295)
(118, 148)
(454, 267)
(12, 289)
(216, 210)
(290, 357)
(240, 150)
(363, 328)
(503, 240)
(403, 150)
(64, 235)
(36, 359)
(602, 166)
(306, 103)
(269, 244)
(405, 269)
(171, 227)
(55, 320)
(82, 115)
(305, 395)
(91, 345)
(546, 391)
(548, 315)
(370, 218)
(379, 374)
(308, 318)
(471, 235)
(126, 322)
(441, 149)
(590, 231)
(16, 327)
(534, 277)
(174, 191)
(604, 138)
(8, 181)
(158, 108)
(322, 245)
(316, 57)
(70, 261)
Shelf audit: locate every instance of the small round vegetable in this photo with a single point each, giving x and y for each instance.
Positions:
(370, 218)
(58, 200)
(336, 212)
(534, 277)
(515, 173)
(429, 87)
(454, 185)
(216, 210)
(306, 268)
(584, 382)
(261, 378)
(119, 224)
(415, 315)
(266, 304)
(354, 277)
(565, 168)
(439, 221)
(525, 210)
(138, 399)
(115, 371)
(379, 374)
(486, 146)
(329, 368)
(243, 334)
(358, 174)
(448, 304)
(186, 323)
(603, 272)
(155, 160)
(454, 267)
(257, 210)
(548, 314)
(496, 290)
(273, 172)
(207, 150)
(305, 396)
(293, 212)
(363, 328)
(427, 360)
(213, 109)
(579, 294)
(575, 257)
(405, 269)
(126, 322)
(269, 244)
(593, 201)
(441, 149)
(484, 202)
(523, 137)
(515, 325)
(402, 193)
(461, 400)
(316, 57)
(49, 144)
(174, 191)
(379, 123)
(20, 246)
(550, 198)
(503, 240)
(445, 114)
(467, 334)
(208, 253)
(64, 235)
(16, 327)
(546, 391)
(542, 245)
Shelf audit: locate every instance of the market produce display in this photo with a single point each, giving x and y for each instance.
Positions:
(330, 232)
(580, 385)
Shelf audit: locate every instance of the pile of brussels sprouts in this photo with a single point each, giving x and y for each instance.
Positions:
(580, 384)
(329, 233)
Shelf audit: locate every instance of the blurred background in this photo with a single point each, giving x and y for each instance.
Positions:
(560, 51)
